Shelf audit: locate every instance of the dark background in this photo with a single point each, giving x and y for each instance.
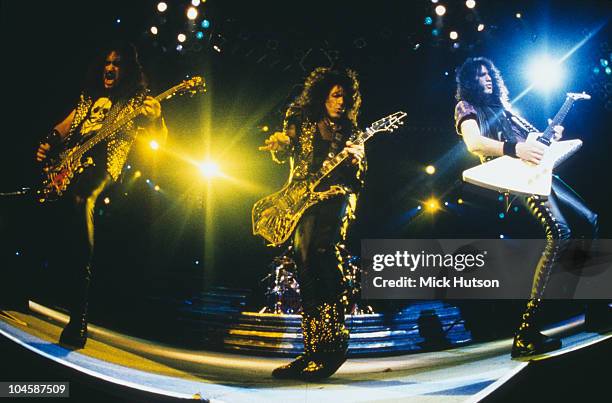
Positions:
(194, 235)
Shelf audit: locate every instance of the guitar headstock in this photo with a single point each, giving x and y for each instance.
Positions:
(578, 95)
(192, 86)
(388, 123)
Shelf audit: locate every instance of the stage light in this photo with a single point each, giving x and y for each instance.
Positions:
(209, 169)
(603, 62)
(608, 70)
(430, 169)
(500, 197)
(107, 200)
(197, 262)
(434, 1)
(481, 27)
(453, 35)
(501, 215)
(161, 6)
(432, 205)
(154, 30)
(518, 15)
(17, 253)
(181, 37)
(459, 201)
(157, 188)
(456, 45)
(148, 181)
(440, 10)
(179, 47)
(205, 24)
(217, 48)
(446, 203)
(265, 128)
(428, 20)
(195, 3)
(154, 145)
(515, 208)
(118, 20)
(470, 3)
(544, 73)
(435, 32)
(192, 13)
(199, 35)
(137, 174)
(501, 236)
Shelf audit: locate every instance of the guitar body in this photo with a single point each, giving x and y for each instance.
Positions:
(512, 175)
(59, 173)
(276, 216)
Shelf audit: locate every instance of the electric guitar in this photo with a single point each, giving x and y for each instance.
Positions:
(276, 216)
(59, 170)
(513, 175)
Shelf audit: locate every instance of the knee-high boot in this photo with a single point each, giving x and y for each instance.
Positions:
(75, 332)
(528, 339)
(329, 342)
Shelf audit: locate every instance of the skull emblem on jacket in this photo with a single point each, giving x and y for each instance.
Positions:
(98, 112)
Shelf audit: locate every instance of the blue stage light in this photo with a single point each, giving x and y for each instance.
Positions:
(502, 215)
(608, 70)
(544, 73)
(604, 62)
(205, 24)
(428, 20)
(516, 209)
(199, 34)
(435, 32)
(500, 197)
(596, 70)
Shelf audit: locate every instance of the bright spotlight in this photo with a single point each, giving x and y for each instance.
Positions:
(518, 15)
(195, 3)
(137, 174)
(440, 10)
(161, 6)
(107, 200)
(481, 27)
(430, 169)
(544, 73)
(459, 201)
(432, 205)
(157, 188)
(154, 30)
(470, 3)
(209, 169)
(181, 38)
(453, 35)
(154, 145)
(192, 13)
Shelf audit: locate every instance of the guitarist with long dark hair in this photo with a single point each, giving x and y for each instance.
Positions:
(320, 123)
(490, 129)
(115, 86)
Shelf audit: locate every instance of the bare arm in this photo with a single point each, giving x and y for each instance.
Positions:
(62, 129)
(530, 151)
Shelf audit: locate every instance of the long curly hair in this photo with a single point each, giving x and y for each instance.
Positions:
(132, 77)
(317, 87)
(468, 88)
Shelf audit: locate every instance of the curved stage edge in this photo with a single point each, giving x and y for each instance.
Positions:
(468, 373)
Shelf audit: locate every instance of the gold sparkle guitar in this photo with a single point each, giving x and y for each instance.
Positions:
(276, 216)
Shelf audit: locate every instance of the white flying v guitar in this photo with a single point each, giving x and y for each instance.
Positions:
(513, 175)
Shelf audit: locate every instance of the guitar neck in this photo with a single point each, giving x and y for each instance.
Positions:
(113, 127)
(331, 163)
(558, 119)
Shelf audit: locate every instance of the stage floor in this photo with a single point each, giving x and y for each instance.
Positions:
(459, 374)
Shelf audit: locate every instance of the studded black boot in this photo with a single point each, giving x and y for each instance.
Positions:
(529, 340)
(293, 369)
(75, 333)
(329, 344)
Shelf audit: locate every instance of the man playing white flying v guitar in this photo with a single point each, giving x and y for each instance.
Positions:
(524, 161)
